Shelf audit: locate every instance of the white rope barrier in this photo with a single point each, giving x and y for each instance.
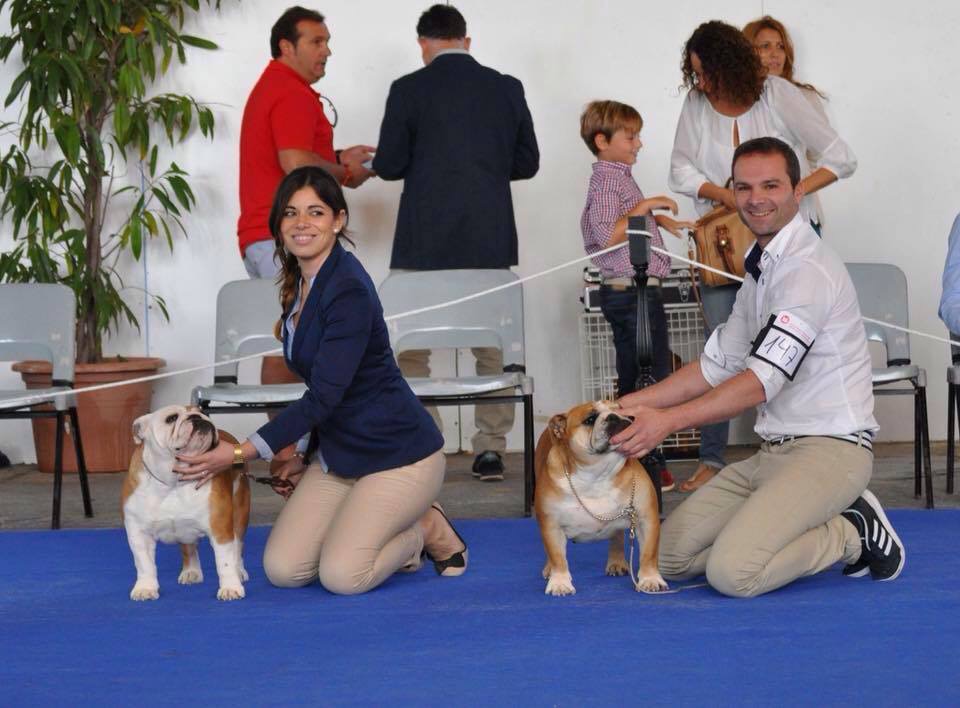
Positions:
(37, 398)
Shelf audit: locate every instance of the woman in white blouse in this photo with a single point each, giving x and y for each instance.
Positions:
(773, 45)
(731, 99)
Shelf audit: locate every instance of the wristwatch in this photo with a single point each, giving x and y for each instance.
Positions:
(238, 460)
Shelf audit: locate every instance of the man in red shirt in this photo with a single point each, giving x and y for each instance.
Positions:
(284, 127)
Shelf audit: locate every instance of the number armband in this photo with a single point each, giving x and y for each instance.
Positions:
(783, 343)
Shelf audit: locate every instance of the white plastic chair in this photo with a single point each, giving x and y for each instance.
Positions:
(38, 321)
(882, 293)
(246, 313)
(494, 320)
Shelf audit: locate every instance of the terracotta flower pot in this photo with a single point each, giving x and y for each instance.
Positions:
(106, 417)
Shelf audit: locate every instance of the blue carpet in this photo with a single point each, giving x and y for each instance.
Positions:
(69, 635)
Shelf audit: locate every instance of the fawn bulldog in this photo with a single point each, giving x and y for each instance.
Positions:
(157, 506)
(584, 489)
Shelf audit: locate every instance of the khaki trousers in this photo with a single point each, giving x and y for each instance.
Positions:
(763, 522)
(493, 421)
(352, 534)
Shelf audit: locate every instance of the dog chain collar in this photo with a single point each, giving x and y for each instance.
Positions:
(631, 511)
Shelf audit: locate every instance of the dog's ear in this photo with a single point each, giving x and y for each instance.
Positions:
(558, 426)
(140, 426)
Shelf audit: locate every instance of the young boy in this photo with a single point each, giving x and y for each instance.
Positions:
(611, 131)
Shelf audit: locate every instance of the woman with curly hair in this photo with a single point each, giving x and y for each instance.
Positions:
(731, 99)
(773, 45)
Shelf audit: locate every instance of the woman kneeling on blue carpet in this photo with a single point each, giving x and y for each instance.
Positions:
(360, 493)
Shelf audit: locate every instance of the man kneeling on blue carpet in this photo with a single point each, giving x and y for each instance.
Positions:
(795, 348)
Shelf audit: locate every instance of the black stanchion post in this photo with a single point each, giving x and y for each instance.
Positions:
(640, 259)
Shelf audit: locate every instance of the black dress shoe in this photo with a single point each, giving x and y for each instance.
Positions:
(455, 564)
(488, 467)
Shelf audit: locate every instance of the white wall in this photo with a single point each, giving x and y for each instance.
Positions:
(886, 68)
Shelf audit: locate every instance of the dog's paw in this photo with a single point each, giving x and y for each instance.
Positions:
(189, 576)
(560, 584)
(617, 566)
(145, 591)
(230, 592)
(244, 575)
(545, 573)
(652, 584)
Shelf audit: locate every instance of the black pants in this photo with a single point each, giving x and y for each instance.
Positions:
(619, 307)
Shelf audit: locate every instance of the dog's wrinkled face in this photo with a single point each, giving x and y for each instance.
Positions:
(588, 427)
(179, 429)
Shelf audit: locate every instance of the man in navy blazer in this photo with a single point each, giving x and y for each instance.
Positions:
(457, 133)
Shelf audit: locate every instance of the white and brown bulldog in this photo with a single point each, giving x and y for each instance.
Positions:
(577, 444)
(157, 506)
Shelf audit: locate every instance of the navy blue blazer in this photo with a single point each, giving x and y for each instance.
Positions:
(357, 405)
(456, 133)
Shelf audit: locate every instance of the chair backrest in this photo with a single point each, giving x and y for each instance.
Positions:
(882, 292)
(494, 320)
(38, 321)
(247, 311)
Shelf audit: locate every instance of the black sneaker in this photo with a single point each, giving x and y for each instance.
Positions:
(882, 553)
(488, 467)
(4, 461)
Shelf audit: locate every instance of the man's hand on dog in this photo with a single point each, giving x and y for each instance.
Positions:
(649, 428)
(201, 468)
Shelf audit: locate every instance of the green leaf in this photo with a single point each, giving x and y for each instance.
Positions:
(133, 234)
(17, 86)
(198, 42)
(182, 190)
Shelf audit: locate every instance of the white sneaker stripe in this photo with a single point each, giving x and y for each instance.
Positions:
(886, 548)
(876, 532)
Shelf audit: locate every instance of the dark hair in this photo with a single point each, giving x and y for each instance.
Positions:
(770, 146)
(286, 27)
(729, 62)
(606, 118)
(442, 22)
(326, 187)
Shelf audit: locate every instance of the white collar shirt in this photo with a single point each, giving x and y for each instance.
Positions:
(796, 324)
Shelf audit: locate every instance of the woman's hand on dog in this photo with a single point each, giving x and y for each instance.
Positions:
(649, 428)
(201, 468)
(288, 476)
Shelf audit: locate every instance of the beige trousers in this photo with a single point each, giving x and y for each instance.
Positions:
(352, 534)
(768, 520)
(493, 421)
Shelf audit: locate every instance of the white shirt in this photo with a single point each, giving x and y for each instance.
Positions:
(703, 146)
(818, 338)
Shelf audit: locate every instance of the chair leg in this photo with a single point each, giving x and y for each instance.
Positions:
(57, 473)
(925, 446)
(81, 464)
(917, 443)
(953, 409)
(528, 449)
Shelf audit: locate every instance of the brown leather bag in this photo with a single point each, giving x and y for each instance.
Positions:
(722, 241)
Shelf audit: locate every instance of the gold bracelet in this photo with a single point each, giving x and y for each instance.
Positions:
(238, 460)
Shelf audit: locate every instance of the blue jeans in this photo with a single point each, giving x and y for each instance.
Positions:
(717, 306)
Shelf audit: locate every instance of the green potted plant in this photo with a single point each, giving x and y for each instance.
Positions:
(86, 120)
